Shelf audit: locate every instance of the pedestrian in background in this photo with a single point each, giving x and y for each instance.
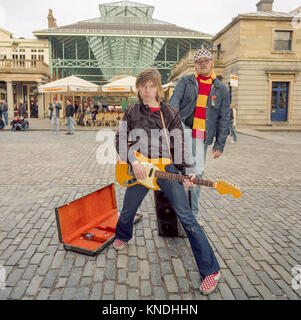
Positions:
(1, 107)
(55, 108)
(22, 109)
(233, 123)
(69, 117)
(24, 124)
(4, 110)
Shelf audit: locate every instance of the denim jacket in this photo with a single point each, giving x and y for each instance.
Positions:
(184, 99)
(57, 108)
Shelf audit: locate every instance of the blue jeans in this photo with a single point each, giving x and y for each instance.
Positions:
(55, 121)
(5, 115)
(176, 194)
(70, 124)
(197, 151)
(234, 137)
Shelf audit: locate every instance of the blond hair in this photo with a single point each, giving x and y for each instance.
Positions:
(152, 75)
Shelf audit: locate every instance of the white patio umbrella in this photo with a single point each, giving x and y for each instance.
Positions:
(127, 84)
(69, 84)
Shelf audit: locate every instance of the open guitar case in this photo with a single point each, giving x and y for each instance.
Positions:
(95, 213)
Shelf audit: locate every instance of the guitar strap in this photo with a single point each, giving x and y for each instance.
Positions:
(165, 134)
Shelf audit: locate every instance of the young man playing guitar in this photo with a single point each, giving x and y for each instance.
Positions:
(143, 117)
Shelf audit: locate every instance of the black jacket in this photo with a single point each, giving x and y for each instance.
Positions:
(69, 111)
(3, 107)
(149, 125)
(23, 110)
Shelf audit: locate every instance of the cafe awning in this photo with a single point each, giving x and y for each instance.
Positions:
(127, 84)
(69, 84)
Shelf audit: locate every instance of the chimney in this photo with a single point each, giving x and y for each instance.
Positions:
(265, 5)
(51, 20)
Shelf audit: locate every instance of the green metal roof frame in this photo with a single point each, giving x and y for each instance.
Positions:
(109, 56)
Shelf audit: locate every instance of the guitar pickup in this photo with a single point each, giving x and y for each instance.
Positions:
(130, 170)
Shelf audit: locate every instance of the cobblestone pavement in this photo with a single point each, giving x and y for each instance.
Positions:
(256, 238)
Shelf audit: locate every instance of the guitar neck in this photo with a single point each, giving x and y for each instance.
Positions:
(180, 178)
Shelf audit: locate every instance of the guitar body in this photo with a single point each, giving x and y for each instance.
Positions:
(127, 179)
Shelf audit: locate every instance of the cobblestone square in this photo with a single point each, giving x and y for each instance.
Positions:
(256, 238)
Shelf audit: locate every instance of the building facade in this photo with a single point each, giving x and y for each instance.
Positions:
(24, 65)
(258, 56)
(263, 51)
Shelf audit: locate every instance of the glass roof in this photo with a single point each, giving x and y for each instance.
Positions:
(125, 20)
(126, 8)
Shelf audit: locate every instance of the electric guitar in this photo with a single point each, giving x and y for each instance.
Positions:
(155, 168)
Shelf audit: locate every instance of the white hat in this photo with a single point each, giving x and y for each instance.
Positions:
(202, 53)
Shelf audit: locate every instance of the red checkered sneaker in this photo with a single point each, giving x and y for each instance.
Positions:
(118, 244)
(210, 283)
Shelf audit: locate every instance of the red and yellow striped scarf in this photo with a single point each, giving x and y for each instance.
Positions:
(199, 123)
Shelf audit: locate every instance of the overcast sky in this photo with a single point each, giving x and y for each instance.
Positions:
(22, 17)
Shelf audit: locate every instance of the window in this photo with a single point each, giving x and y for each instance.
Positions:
(18, 57)
(283, 40)
(41, 57)
(219, 49)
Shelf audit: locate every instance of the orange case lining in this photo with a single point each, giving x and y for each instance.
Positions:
(95, 213)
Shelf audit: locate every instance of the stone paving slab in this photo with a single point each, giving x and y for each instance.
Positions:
(256, 238)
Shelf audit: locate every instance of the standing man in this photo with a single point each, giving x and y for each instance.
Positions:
(55, 108)
(23, 109)
(5, 111)
(36, 108)
(1, 107)
(233, 123)
(69, 117)
(145, 117)
(204, 105)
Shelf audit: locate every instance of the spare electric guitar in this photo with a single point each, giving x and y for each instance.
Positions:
(155, 168)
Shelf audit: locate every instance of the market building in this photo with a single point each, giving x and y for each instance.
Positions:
(123, 40)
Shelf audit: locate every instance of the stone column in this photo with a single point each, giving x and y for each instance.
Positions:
(10, 99)
(41, 105)
(41, 112)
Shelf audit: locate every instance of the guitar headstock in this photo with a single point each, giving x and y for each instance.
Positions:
(227, 188)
